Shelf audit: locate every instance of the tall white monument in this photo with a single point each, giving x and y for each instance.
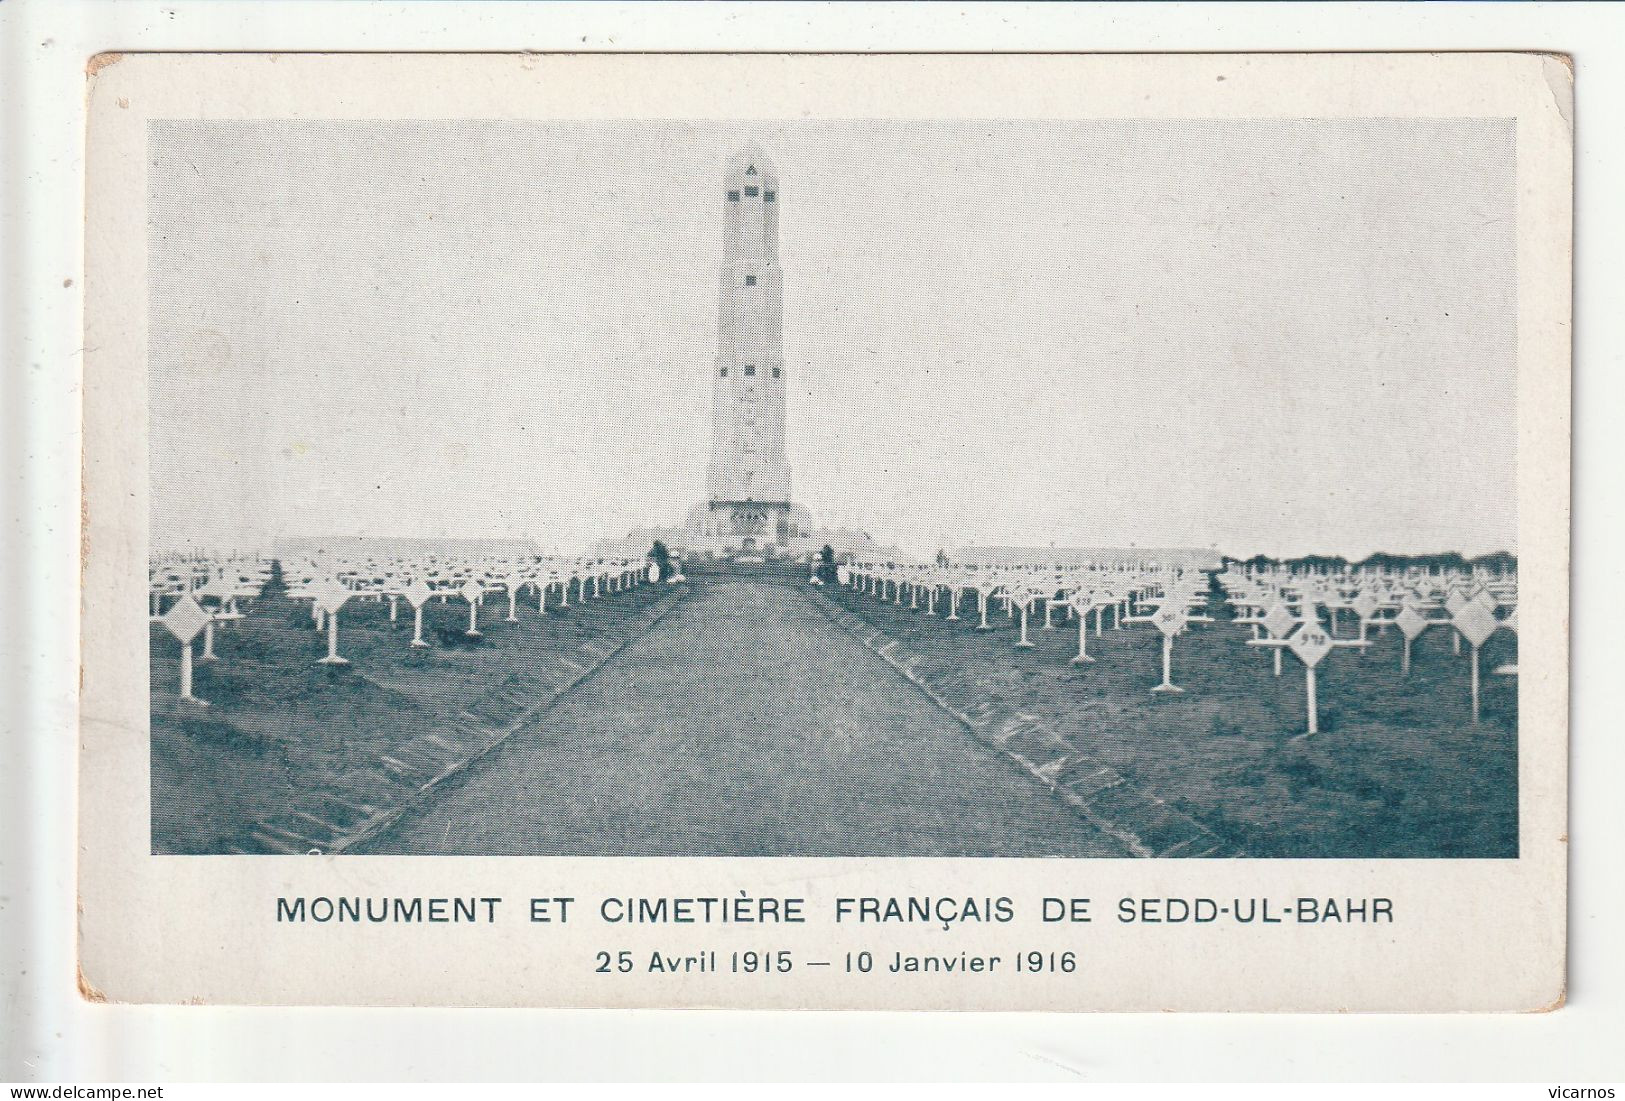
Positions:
(748, 505)
(748, 510)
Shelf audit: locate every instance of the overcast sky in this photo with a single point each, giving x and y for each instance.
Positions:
(1284, 337)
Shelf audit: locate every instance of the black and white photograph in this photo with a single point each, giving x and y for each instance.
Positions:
(834, 488)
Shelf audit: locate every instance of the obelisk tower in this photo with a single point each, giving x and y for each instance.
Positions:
(748, 482)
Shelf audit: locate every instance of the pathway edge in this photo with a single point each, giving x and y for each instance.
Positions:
(385, 819)
(1067, 774)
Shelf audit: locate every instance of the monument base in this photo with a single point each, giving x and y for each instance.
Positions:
(749, 528)
(729, 529)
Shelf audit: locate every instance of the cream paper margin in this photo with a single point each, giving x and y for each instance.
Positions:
(1469, 934)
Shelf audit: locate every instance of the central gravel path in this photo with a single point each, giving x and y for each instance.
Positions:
(744, 724)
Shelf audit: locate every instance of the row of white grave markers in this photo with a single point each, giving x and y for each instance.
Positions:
(471, 580)
(1115, 586)
(1378, 598)
(1281, 608)
(201, 592)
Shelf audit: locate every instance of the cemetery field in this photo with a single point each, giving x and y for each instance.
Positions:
(1397, 770)
(291, 755)
(728, 717)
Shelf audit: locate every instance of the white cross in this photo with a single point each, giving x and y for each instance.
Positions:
(472, 591)
(1310, 643)
(1170, 617)
(184, 620)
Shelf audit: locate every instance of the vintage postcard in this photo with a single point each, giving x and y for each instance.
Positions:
(1049, 532)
